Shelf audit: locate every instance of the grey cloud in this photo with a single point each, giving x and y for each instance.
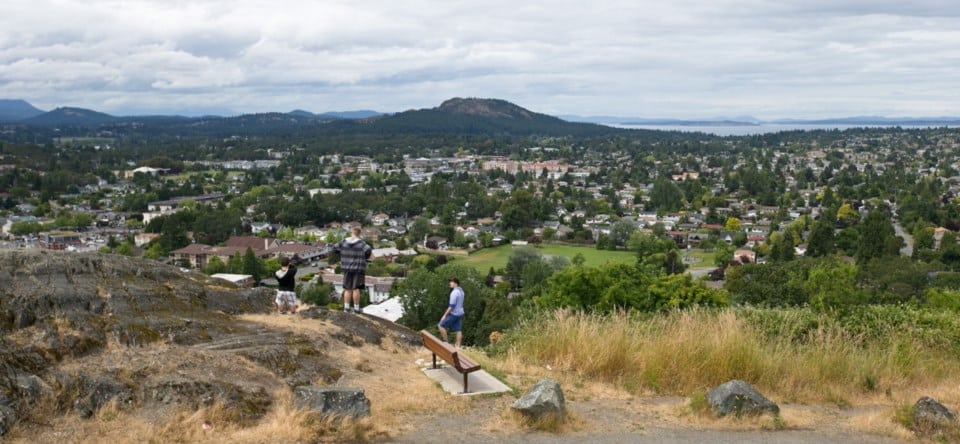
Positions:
(667, 59)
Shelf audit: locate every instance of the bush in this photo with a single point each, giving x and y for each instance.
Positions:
(942, 299)
(317, 294)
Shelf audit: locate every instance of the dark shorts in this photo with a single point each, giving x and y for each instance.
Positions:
(452, 322)
(354, 280)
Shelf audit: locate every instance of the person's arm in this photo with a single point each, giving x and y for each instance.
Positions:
(448, 310)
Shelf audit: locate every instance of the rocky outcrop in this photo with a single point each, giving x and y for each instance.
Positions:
(335, 401)
(740, 398)
(81, 331)
(544, 401)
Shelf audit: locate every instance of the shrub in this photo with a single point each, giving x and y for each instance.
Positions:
(318, 294)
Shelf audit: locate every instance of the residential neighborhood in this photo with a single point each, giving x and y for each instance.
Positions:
(745, 198)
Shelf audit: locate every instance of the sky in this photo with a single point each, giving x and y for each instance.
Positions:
(688, 59)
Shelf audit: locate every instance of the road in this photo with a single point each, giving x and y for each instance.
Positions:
(907, 249)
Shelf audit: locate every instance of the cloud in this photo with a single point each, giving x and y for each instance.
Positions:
(685, 58)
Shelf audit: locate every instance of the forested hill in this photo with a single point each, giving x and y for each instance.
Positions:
(476, 116)
(454, 116)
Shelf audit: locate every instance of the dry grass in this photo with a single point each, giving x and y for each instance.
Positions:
(682, 352)
(607, 366)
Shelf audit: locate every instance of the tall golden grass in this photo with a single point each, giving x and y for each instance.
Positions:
(685, 351)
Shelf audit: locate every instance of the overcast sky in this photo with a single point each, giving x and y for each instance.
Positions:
(677, 58)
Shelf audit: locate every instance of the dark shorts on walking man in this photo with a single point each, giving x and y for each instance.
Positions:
(453, 323)
(354, 280)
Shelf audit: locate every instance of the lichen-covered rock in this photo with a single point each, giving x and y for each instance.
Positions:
(86, 394)
(333, 400)
(740, 398)
(930, 416)
(543, 401)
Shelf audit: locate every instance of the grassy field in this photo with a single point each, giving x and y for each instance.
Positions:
(700, 259)
(497, 257)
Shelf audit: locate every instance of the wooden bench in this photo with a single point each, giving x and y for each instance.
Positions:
(459, 361)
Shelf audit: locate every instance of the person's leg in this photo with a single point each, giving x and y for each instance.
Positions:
(457, 327)
(292, 300)
(443, 333)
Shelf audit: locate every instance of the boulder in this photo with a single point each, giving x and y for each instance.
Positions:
(543, 401)
(930, 415)
(333, 400)
(740, 398)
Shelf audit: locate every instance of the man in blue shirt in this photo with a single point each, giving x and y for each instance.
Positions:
(453, 317)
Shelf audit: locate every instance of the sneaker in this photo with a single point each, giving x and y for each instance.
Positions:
(283, 312)
(357, 309)
(346, 309)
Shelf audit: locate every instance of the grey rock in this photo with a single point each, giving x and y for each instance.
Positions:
(930, 415)
(95, 392)
(8, 417)
(740, 398)
(30, 388)
(333, 400)
(543, 401)
(249, 402)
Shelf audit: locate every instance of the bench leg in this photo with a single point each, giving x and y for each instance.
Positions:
(465, 383)
(434, 360)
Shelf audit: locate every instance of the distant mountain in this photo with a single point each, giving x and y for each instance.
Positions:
(473, 116)
(359, 114)
(70, 116)
(301, 113)
(334, 115)
(13, 110)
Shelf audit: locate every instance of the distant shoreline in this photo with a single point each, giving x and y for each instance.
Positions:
(748, 129)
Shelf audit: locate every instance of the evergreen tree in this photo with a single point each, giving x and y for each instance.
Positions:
(822, 241)
(252, 265)
(235, 264)
(876, 236)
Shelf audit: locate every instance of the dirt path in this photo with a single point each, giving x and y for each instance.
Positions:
(645, 420)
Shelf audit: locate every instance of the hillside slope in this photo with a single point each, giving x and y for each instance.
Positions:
(103, 348)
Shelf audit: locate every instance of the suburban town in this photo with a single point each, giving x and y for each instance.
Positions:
(719, 200)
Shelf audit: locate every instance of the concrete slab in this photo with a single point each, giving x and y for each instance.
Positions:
(479, 382)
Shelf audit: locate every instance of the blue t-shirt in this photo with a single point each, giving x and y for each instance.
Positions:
(456, 301)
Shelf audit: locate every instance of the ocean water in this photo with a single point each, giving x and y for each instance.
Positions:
(749, 130)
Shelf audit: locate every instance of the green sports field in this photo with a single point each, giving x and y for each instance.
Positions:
(496, 257)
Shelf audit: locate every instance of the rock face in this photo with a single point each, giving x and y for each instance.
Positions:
(930, 415)
(739, 398)
(335, 401)
(543, 401)
(81, 331)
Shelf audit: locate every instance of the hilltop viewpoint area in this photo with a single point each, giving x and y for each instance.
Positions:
(103, 348)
